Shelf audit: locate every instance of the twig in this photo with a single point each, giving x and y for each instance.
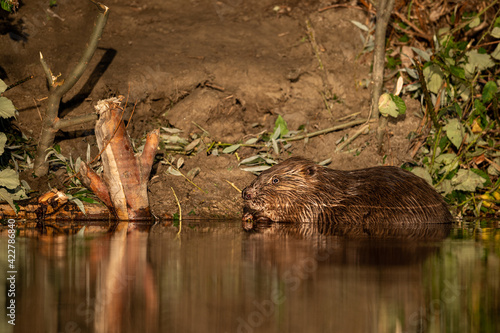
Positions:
(345, 6)
(234, 186)
(328, 130)
(19, 82)
(362, 130)
(427, 96)
(62, 123)
(349, 116)
(314, 44)
(413, 26)
(324, 75)
(185, 177)
(201, 128)
(180, 212)
(47, 71)
(131, 113)
(463, 24)
(36, 105)
(215, 87)
(325, 101)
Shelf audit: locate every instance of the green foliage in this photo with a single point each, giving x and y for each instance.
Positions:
(392, 62)
(7, 5)
(10, 185)
(280, 126)
(462, 156)
(391, 105)
(75, 191)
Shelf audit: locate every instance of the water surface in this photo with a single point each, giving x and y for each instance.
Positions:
(215, 277)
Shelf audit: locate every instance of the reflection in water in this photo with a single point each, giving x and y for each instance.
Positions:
(217, 278)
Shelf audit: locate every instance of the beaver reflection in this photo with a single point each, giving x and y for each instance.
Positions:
(358, 279)
(298, 190)
(362, 243)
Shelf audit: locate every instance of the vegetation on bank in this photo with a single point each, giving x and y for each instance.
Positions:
(457, 147)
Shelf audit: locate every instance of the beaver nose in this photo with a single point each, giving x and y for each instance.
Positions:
(247, 193)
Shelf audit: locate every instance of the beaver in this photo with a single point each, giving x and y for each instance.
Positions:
(299, 190)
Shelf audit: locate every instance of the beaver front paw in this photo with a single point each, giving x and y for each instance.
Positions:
(252, 220)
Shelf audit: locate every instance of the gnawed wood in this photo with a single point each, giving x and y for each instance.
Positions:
(123, 186)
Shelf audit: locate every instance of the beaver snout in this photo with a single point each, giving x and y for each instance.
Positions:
(248, 193)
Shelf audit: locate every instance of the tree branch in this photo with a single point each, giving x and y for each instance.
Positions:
(62, 123)
(51, 122)
(384, 10)
(95, 37)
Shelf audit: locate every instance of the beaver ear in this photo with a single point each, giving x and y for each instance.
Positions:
(311, 170)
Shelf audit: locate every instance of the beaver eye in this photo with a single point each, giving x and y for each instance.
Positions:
(275, 180)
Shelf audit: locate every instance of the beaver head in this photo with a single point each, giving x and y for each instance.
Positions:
(291, 191)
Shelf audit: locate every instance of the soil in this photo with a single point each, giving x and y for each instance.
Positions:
(230, 66)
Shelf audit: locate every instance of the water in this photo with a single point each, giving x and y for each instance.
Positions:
(217, 278)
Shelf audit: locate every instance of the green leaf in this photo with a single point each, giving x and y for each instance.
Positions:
(3, 140)
(89, 200)
(3, 86)
(360, 25)
(282, 123)
(463, 91)
(458, 109)
(252, 160)
(7, 109)
(466, 180)
(256, 168)
(173, 171)
(79, 203)
(445, 187)
(387, 107)
(422, 173)
(9, 178)
(426, 56)
(19, 194)
(495, 32)
(230, 149)
(5, 195)
(449, 162)
(434, 77)
(489, 91)
(479, 107)
(477, 61)
(400, 104)
(474, 22)
(458, 72)
(6, 5)
(455, 132)
(484, 175)
(492, 170)
(496, 53)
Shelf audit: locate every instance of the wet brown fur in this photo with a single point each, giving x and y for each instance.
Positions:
(298, 190)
